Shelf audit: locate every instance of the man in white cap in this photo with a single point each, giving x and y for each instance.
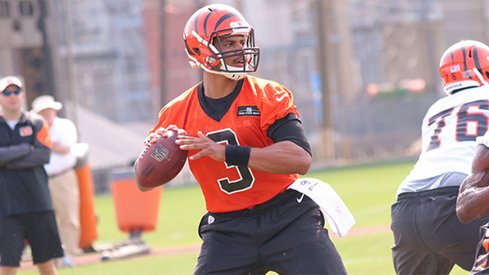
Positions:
(26, 211)
(63, 183)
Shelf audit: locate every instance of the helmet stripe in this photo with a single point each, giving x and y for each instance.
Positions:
(465, 61)
(205, 23)
(476, 60)
(222, 19)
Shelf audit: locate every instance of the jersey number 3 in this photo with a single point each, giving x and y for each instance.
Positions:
(464, 118)
(246, 178)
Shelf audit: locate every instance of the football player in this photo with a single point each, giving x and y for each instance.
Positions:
(246, 146)
(428, 236)
(472, 201)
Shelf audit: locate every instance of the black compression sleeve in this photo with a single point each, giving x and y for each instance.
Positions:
(289, 128)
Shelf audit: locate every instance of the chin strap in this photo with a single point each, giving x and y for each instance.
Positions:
(234, 73)
(235, 76)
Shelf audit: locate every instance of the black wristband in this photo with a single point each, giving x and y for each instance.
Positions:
(237, 155)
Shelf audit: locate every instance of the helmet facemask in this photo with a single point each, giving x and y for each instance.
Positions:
(249, 54)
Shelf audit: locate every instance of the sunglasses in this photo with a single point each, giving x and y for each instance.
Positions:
(7, 92)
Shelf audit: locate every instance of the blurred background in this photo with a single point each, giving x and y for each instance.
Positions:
(363, 72)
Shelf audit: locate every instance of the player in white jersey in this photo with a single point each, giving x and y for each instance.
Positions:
(448, 136)
(429, 238)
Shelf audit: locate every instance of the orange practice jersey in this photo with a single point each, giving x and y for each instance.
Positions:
(257, 106)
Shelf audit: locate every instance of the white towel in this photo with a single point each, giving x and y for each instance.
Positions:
(339, 218)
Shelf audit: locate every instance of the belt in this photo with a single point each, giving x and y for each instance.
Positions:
(433, 192)
(279, 199)
(60, 173)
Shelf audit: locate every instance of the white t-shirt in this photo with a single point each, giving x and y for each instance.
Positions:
(12, 123)
(63, 132)
(448, 134)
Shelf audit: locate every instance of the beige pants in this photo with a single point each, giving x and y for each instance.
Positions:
(66, 202)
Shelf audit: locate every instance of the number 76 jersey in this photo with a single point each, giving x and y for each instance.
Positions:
(449, 130)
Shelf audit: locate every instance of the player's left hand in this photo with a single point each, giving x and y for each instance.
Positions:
(162, 133)
(204, 145)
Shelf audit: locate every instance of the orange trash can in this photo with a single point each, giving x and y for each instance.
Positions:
(135, 210)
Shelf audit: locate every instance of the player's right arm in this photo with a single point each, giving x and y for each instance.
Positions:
(283, 157)
(473, 198)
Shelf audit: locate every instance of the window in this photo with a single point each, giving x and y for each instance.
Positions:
(26, 8)
(4, 9)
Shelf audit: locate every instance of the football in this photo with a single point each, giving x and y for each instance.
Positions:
(160, 162)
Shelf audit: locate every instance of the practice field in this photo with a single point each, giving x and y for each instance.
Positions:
(368, 191)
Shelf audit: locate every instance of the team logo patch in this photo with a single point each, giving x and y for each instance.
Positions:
(159, 153)
(248, 111)
(25, 131)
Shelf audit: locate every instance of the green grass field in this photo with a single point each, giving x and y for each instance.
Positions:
(368, 191)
